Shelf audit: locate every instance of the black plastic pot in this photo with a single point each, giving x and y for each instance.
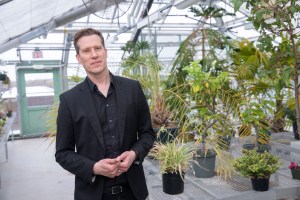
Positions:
(295, 130)
(260, 184)
(248, 146)
(2, 77)
(296, 173)
(261, 148)
(167, 135)
(205, 166)
(9, 113)
(172, 183)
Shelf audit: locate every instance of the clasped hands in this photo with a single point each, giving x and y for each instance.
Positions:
(112, 167)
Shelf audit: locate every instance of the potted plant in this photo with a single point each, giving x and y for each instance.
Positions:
(258, 167)
(285, 62)
(3, 75)
(146, 69)
(6, 80)
(289, 112)
(166, 129)
(174, 158)
(212, 110)
(254, 116)
(295, 170)
(9, 108)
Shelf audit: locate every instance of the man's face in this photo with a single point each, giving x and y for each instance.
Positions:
(92, 54)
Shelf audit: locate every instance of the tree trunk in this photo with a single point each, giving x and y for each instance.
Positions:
(203, 44)
(296, 80)
(278, 123)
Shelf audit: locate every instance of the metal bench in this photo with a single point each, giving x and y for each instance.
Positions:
(4, 138)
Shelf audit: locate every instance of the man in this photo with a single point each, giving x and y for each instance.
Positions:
(104, 128)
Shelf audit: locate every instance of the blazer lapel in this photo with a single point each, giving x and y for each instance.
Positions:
(89, 106)
(120, 96)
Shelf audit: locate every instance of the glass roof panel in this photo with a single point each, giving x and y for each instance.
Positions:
(170, 27)
(19, 16)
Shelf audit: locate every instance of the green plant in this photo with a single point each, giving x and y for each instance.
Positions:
(208, 45)
(214, 103)
(2, 121)
(161, 114)
(290, 114)
(255, 115)
(275, 21)
(262, 84)
(289, 110)
(259, 76)
(6, 81)
(211, 109)
(146, 69)
(174, 156)
(51, 116)
(210, 12)
(75, 78)
(134, 49)
(257, 165)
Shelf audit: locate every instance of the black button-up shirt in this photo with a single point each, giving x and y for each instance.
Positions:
(106, 108)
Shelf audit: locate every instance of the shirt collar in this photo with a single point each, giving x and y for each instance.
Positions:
(92, 85)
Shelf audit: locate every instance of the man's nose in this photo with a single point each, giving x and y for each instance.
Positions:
(94, 53)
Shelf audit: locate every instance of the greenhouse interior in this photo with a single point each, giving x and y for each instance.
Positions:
(220, 79)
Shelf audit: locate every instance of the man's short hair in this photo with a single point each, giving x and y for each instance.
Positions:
(86, 32)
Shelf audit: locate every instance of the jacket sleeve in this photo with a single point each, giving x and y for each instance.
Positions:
(66, 154)
(146, 134)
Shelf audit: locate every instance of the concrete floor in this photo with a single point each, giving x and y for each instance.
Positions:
(31, 173)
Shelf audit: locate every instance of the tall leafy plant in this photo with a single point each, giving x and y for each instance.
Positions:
(204, 44)
(214, 103)
(153, 86)
(213, 107)
(258, 79)
(275, 18)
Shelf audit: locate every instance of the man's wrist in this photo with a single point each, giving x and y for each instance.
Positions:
(136, 154)
(94, 169)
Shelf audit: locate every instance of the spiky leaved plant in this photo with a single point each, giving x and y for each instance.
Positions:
(161, 114)
(174, 156)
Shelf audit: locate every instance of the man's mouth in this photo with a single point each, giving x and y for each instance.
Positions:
(98, 62)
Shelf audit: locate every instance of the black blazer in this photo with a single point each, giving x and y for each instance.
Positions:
(80, 143)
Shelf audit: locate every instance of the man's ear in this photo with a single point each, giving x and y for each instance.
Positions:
(105, 52)
(78, 58)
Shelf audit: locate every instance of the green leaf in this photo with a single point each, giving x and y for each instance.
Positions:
(259, 15)
(196, 88)
(203, 111)
(237, 4)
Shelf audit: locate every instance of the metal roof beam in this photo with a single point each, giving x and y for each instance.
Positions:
(65, 18)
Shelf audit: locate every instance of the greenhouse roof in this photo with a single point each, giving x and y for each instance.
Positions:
(48, 26)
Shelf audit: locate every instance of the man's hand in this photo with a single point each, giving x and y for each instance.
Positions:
(107, 167)
(114, 167)
(126, 159)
